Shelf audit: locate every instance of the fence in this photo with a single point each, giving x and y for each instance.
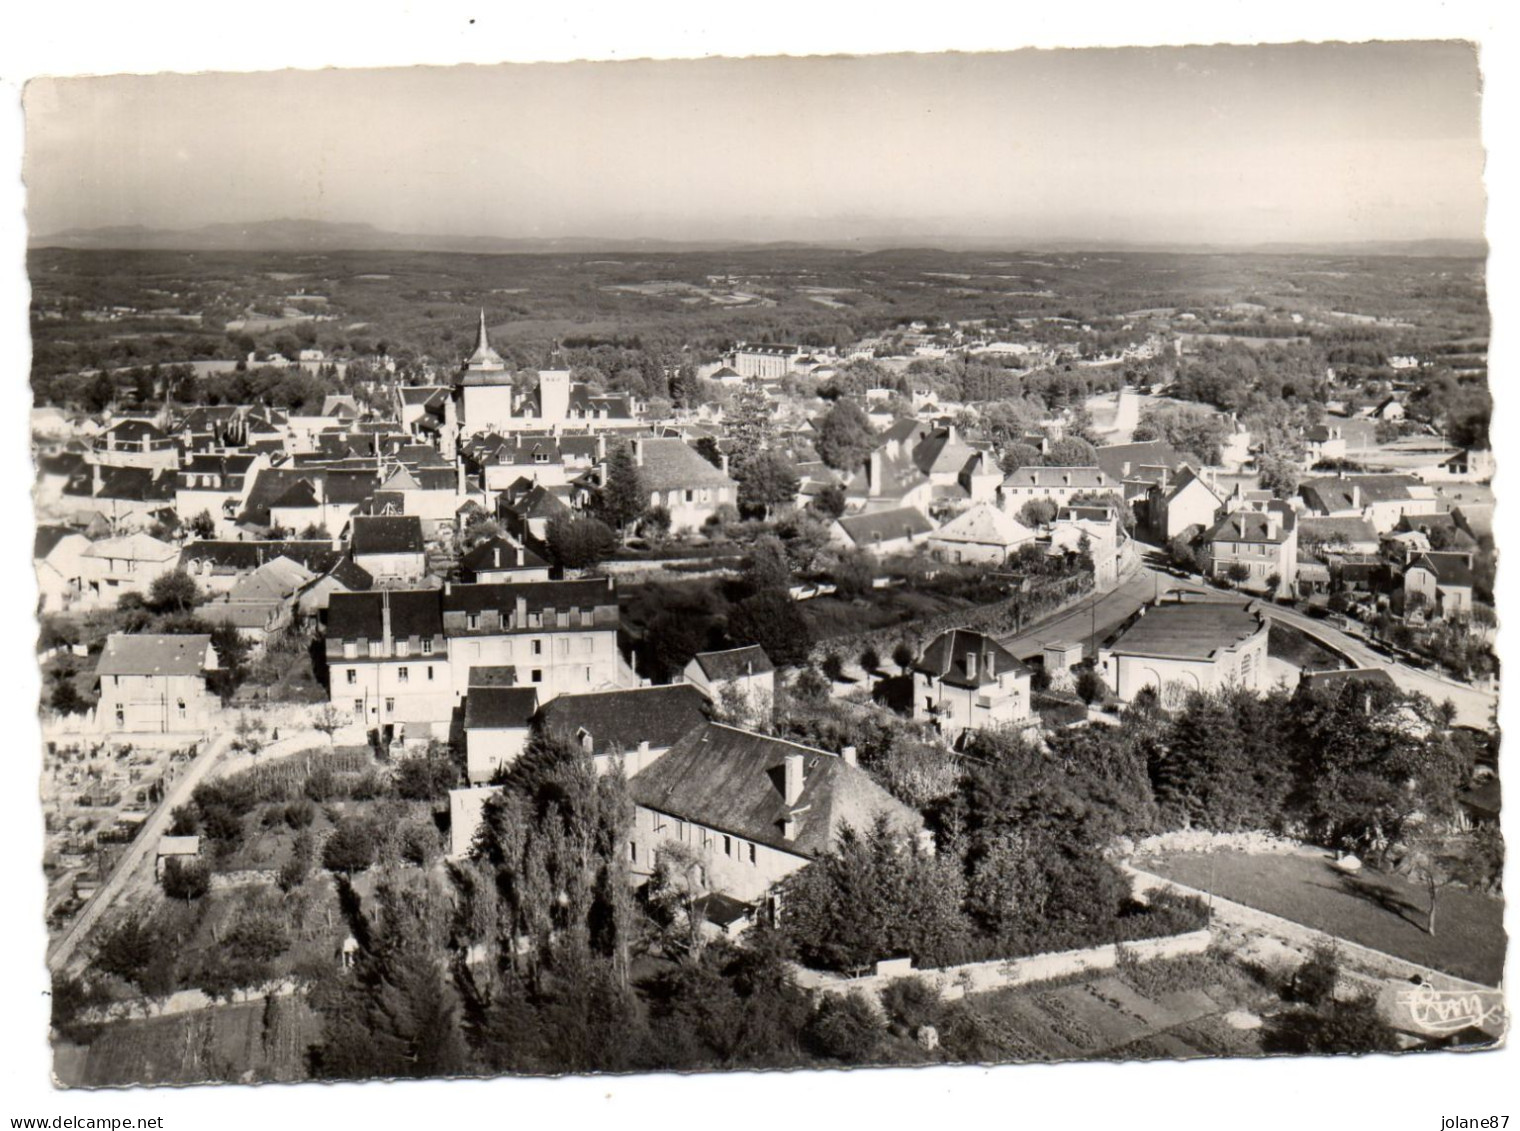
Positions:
(955, 982)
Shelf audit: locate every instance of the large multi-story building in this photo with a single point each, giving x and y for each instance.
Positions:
(561, 636)
(388, 658)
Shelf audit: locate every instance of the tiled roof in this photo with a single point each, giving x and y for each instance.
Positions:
(1119, 461)
(498, 707)
(885, 526)
(1453, 570)
(945, 658)
(538, 595)
(1190, 630)
(498, 553)
(355, 616)
(1082, 478)
(734, 663)
(984, 524)
(675, 464)
(151, 654)
(1251, 526)
(618, 721)
(387, 534)
(733, 780)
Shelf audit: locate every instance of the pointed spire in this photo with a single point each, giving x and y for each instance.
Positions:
(484, 357)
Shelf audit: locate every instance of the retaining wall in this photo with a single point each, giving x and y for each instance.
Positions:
(955, 982)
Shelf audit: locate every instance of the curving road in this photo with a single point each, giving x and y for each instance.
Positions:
(1093, 620)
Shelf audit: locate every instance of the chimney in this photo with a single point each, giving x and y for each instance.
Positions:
(789, 827)
(1356, 495)
(875, 474)
(448, 588)
(519, 555)
(991, 664)
(385, 622)
(850, 756)
(793, 778)
(970, 665)
(496, 554)
(520, 614)
(723, 462)
(638, 452)
(643, 750)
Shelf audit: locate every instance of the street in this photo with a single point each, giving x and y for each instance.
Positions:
(1094, 619)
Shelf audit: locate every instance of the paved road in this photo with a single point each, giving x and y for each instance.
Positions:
(137, 863)
(1093, 620)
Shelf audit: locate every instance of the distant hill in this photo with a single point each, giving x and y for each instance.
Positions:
(324, 235)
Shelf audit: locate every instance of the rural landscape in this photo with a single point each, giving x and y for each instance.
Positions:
(484, 655)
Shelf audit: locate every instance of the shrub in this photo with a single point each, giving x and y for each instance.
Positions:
(1314, 982)
(351, 848)
(300, 814)
(844, 1027)
(912, 1001)
(185, 878)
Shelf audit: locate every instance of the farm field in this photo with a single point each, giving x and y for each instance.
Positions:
(258, 1042)
(1167, 1009)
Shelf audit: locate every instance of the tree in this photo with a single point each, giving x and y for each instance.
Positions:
(328, 720)
(846, 1027)
(1017, 455)
(351, 847)
(1071, 452)
(768, 566)
(173, 592)
(903, 655)
(578, 541)
(829, 503)
(833, 667)
(853, 573)
(1238, 573)
(1090, 686)
(426, 777)
(874, 896)
(203, 525)
(870, 659)
(766, 481)
(810, 685)
(231, 659)
(1277, 473)
(185, 878)
(315, 532)
(623, 497)
(654, 524)
(772, 620)
(1338, 1027)
(844, 436)
(65, 698)
(751, 424)
(1037, 512)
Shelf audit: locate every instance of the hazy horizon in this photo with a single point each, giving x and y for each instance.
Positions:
(1296, 144)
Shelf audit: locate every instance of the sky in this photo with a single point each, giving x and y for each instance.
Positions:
(1227, 144)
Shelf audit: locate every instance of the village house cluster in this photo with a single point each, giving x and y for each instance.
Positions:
(353, 525)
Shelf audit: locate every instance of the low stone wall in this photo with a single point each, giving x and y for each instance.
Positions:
(956, 982)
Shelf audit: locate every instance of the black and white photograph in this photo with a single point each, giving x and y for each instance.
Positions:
(615, 567)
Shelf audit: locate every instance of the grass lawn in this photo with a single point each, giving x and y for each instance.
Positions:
(1383, 912)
